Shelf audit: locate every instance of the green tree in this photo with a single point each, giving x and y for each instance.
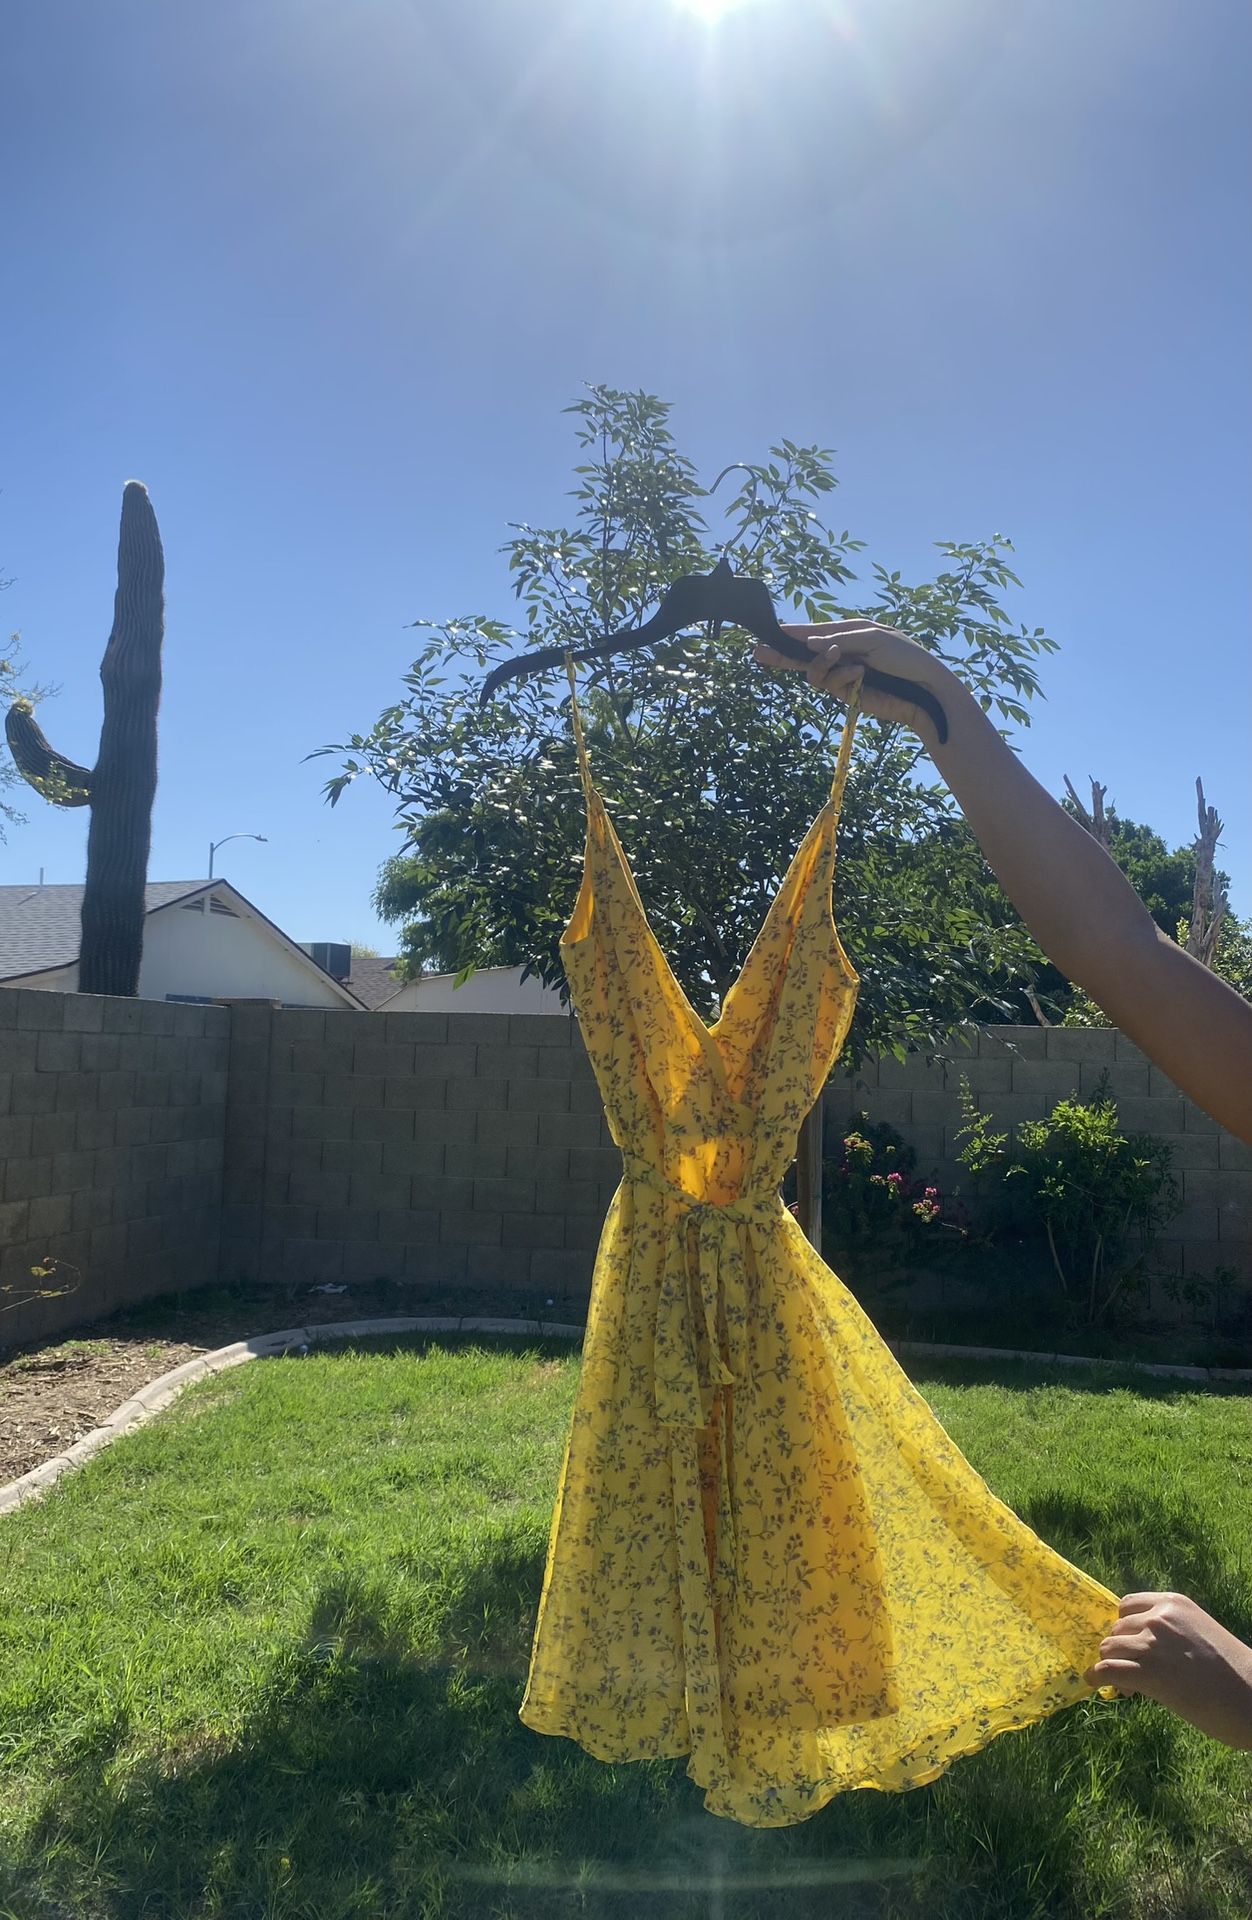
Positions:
(712, 769)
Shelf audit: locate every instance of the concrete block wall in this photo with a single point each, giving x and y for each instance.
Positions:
(112, 1118)
(1019, 1073)
(452, 1149)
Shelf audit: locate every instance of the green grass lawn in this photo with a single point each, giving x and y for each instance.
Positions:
(262, 1660)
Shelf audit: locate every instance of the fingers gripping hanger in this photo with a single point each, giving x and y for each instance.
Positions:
(721, 598)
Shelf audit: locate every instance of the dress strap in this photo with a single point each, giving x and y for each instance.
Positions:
(580, 742)
(843, 760)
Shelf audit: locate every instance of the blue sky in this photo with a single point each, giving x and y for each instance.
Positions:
(323, 276)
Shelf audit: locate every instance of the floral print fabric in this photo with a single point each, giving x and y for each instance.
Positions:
(766, 1553)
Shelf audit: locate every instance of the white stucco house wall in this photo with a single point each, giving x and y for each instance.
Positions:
(489, 990)
(202, 941)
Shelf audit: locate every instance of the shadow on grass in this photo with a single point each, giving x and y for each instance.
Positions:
(369, 1778)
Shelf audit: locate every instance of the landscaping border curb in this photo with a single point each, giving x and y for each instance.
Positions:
(160, 1392)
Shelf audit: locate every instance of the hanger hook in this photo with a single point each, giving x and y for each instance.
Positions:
(754, 478)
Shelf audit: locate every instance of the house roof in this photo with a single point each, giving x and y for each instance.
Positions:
(372, 979)
(41, 927)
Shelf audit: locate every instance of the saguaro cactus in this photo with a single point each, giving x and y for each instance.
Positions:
(121, 786)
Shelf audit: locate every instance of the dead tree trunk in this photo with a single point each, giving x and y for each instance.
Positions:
(1208, 898)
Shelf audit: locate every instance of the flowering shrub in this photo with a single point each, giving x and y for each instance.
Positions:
(873, 1200)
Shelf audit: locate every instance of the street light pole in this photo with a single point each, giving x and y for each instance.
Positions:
(215, 844)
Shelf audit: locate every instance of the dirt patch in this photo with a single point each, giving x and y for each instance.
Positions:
(53, 1394)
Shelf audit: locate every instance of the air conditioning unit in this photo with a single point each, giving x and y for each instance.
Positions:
(333, 957)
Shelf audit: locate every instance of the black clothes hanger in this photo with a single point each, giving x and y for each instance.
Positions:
(724, 599)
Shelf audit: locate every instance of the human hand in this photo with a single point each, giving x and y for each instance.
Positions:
(841, 649)
(1168, 1648)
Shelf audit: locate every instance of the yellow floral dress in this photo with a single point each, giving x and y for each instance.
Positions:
(766, 1552)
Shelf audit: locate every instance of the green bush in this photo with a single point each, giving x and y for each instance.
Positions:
(1098, 1195)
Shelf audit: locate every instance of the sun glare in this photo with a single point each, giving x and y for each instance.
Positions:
(710, 9)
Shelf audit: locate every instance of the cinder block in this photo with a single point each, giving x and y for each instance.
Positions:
(1202, 1258)
(477, 1095)
(347, 1223)
(318, 1187)
(33, 1092)
(1150, 1116)
(100, 1052)
(83, 1013)
(425, 1159)
(893, 1106)
(455, 1129)
(72, 1170)
(1088, 1044)
(540, 1030)
(584, 1095)
(414, 1226)
(296, 1089)
(1197, 1222)
(1160, 1085)
(247, 1087)
(563, 1270)
(470, 1229)
(8, 1007)
(583, 1230)
(324, 1056)
(443, 1193)
(107, 1246)
(289, 1024)
(539, 1163)
(933, 1109)
(993, 1075)
(514, 1127)
(1195, 1120)
(151, 1089)
(1190, 1149)
(353, 1090)
(89, 1129)
(488, 1029)
(379, 1190)
(560, 1063)
(91, 1207)
(326, 1123)
(15, 1135)
(1122, 1080)
(1054, 1079)
(1233, 1155)
(442, 1061)
(365, 1261)
(353, 1156)
(425, 1029)
(41, 1011)
(504, 1196)
(391, 1058)
(1012, 1043)
(915, 1070)
(394, 1126)
(1234, 1206)
(122, 1015)
(143, 1237)
(534, 1229)
(57, 1132)
(1200, 1183)
(435, 1264)
(312, 1260)
(28, 1179)
(50, 1213)
(1010, 1109)
(58, 1052)
(567, 1196)
(14, 1218)
(419, 1091)
(595, 1163)
(18, 1050)
(507, 1063)
(497, 1266)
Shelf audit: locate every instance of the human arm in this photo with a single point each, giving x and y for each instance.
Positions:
(1073, 897)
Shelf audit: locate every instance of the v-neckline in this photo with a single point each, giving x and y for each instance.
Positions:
(706, 1033)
